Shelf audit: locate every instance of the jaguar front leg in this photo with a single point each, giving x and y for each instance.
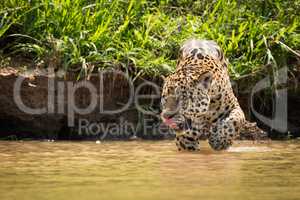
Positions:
(186, 141)
(224, 131)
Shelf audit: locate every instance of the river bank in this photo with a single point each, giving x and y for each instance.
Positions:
(126, 108)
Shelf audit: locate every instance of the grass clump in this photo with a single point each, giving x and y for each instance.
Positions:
(147, 34)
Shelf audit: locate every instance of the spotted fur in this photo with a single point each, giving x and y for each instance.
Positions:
(198, 98)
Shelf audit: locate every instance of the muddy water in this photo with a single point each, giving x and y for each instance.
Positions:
(148, 170)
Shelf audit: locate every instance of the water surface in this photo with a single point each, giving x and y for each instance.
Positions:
(148, 170)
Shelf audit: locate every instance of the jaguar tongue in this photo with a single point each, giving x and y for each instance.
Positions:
(170, 123)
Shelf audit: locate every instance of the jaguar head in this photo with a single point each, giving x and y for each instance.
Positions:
(182, 102)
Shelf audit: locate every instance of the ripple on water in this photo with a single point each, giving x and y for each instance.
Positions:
(249, 149)
(148, 170)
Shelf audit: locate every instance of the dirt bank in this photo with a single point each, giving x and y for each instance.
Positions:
(57, 120)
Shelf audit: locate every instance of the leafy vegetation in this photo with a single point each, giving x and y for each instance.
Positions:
(147, 34)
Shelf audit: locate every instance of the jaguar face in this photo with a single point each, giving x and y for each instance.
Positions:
(171, 109)
(182, 102)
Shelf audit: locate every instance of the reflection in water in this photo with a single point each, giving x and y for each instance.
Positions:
(148, 170)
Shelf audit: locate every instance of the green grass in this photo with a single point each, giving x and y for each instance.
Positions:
(147, 34)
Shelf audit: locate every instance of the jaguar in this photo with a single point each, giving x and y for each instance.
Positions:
(197, 99)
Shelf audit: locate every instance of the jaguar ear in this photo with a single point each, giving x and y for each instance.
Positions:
(205, 79)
